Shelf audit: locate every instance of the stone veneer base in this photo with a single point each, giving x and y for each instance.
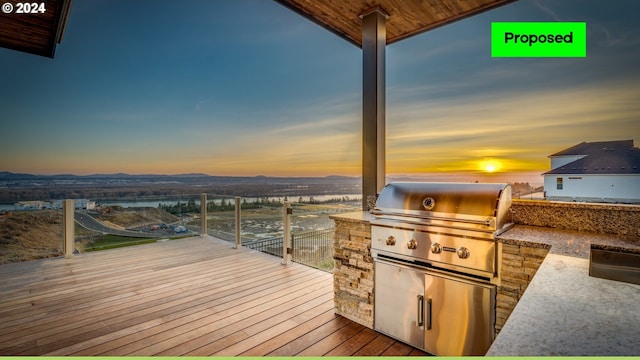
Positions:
(518, 267)
(353, 272)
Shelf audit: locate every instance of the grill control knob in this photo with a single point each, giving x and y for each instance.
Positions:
(436, 248)
(391, 240)
(412, 244)
(463, 252)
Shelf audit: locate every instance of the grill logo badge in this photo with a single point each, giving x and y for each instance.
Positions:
(429, 203)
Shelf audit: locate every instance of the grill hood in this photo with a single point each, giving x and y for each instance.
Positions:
(476, 205)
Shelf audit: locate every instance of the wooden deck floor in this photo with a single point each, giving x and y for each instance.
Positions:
(184, 297)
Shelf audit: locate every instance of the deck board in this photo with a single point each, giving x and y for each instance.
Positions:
(195, 296)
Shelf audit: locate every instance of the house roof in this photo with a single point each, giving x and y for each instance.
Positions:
(610, 157)
(586, 148)
(36, 33)
(406, 17)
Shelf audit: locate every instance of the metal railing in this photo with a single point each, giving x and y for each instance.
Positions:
(271, 246)
(102, 224)
(314, 248)
(311, 248)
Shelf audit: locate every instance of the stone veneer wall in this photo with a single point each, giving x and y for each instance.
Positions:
(519, 264)
(614, 219)
(353, 271)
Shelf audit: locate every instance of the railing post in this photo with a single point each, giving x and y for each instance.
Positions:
(286, 236)
(68, 231)
(203, 214)
(238, 237)
(292, 245)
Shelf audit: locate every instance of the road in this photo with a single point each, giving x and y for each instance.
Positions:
(90, 223)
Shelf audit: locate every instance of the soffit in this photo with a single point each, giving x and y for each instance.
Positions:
(36, 33)
(406, 17)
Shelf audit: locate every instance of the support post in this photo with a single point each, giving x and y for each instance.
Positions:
(374, 41)
(203, 215)
(238, 237)
(286, 234)
(68, 230)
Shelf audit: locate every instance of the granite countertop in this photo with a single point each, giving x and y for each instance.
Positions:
(564, 311)
(567, 242)
(357, 216)
(562, 242)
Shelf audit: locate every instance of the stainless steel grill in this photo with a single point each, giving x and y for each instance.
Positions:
(482, 207)
(442, 223)
(436, 260)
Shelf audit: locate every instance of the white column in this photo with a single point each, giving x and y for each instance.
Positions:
(203, 215)
(286, 233)
(238, 237)
(68, 230)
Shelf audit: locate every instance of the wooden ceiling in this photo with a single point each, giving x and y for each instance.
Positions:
(36, 33)
(406, 17)
(40, 33)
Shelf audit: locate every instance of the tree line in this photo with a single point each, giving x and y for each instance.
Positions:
(190, 206)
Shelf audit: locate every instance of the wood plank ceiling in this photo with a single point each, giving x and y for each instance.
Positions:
(39, 33)
(406, 17)
(35, 33)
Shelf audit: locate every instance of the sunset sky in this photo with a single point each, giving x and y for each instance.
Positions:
(247, 87)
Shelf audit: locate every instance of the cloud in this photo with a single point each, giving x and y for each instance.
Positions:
(552, 14)
(305, 138)
(309, 148)
(523, 125)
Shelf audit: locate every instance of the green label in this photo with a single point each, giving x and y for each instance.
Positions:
(538, 39)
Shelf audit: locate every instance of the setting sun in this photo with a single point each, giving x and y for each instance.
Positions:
(490, 165)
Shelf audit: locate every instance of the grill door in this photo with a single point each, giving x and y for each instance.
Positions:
(459, 316)
(399, 302)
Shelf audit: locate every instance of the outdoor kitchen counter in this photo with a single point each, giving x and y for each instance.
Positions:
(567, 242)
(561, 242)
(356, 216)
(564, 311)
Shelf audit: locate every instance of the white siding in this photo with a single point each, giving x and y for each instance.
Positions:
(623, 188)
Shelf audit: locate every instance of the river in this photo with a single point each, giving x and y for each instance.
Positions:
(153, 202)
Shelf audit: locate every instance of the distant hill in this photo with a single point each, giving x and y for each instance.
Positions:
(9, 176)
(20, 187)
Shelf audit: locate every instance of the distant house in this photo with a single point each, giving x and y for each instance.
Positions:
(29, 205)
(85, 204)
(79, 204)
(607, 171)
